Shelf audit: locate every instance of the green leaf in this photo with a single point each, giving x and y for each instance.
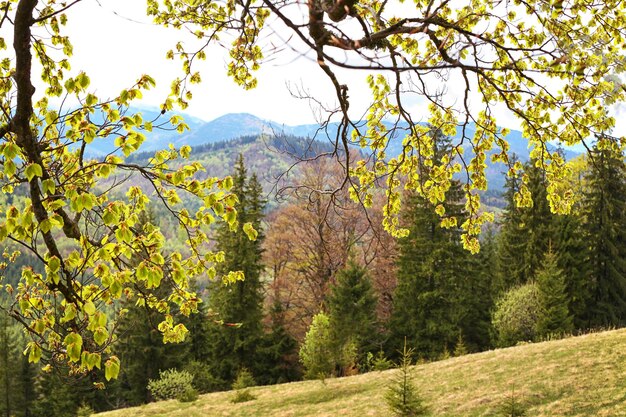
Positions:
(34, 352)
(250, 231)
(54, 264)
(112, 368)
(74, 345)
(89, 308)
(9, 168)
(100, 335)
(10, 151)
(32, 171)
(70, 313)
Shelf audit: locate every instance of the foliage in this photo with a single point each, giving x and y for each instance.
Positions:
(190, 394)
(541, 373)
(278, 354)
(203, 380)
(574, 46)
(555, 67)
(402, 397)
(555, 318)
(16, 374)
(517, 313)
(460, 348)
(84, 411)
(317, 353)
(171, 384)
(244, 380)
(378, 362)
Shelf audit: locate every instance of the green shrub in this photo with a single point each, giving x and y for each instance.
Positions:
(189, 395)
(378, 362)
(203, 380)
(460, 349)
(512, 406)
(170, 385)
(84, 411)
(516, 315)
(243, 381)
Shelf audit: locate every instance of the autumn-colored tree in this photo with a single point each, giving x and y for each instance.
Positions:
(311, 238)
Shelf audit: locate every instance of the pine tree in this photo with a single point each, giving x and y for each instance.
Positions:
(539, 222)
(352, 311)
(318, 353)
(605, 233)
(555, 317)
(239, 305)
(571, 252)
(511, 242)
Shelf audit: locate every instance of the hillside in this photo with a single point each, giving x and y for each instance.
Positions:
(581, 376)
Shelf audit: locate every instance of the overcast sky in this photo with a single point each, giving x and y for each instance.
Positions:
(115, 42)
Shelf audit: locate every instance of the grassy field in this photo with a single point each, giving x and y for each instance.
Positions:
(581, 376)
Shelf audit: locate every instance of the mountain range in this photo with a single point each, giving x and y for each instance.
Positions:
(237, 125)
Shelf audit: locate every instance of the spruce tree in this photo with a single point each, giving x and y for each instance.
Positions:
(571, 252)
(277, 355)
(437, 278)
(511, 242)
(235, 339)
(604, 207)
(555, 318)
(352, 311)
(526, 232)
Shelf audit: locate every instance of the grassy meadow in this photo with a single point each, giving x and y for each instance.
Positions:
(579, 376)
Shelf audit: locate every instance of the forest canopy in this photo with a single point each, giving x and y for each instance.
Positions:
(555, 66)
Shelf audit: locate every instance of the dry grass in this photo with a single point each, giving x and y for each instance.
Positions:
(581, 376)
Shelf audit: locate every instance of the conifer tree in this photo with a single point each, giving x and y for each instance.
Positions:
(538, 220)
(571, 252)
(555, 317)
(235, 339)
(437, 279)
(277, 356)
(511, 242)
(605, 233)
(16, 373)
(352, 311)
(318, 352)
(526, 232)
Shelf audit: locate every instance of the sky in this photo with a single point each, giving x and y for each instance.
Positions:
(115, 43)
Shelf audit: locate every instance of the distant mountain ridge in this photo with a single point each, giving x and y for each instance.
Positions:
(237, 125)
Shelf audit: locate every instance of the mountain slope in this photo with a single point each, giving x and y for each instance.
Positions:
(581, 376)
